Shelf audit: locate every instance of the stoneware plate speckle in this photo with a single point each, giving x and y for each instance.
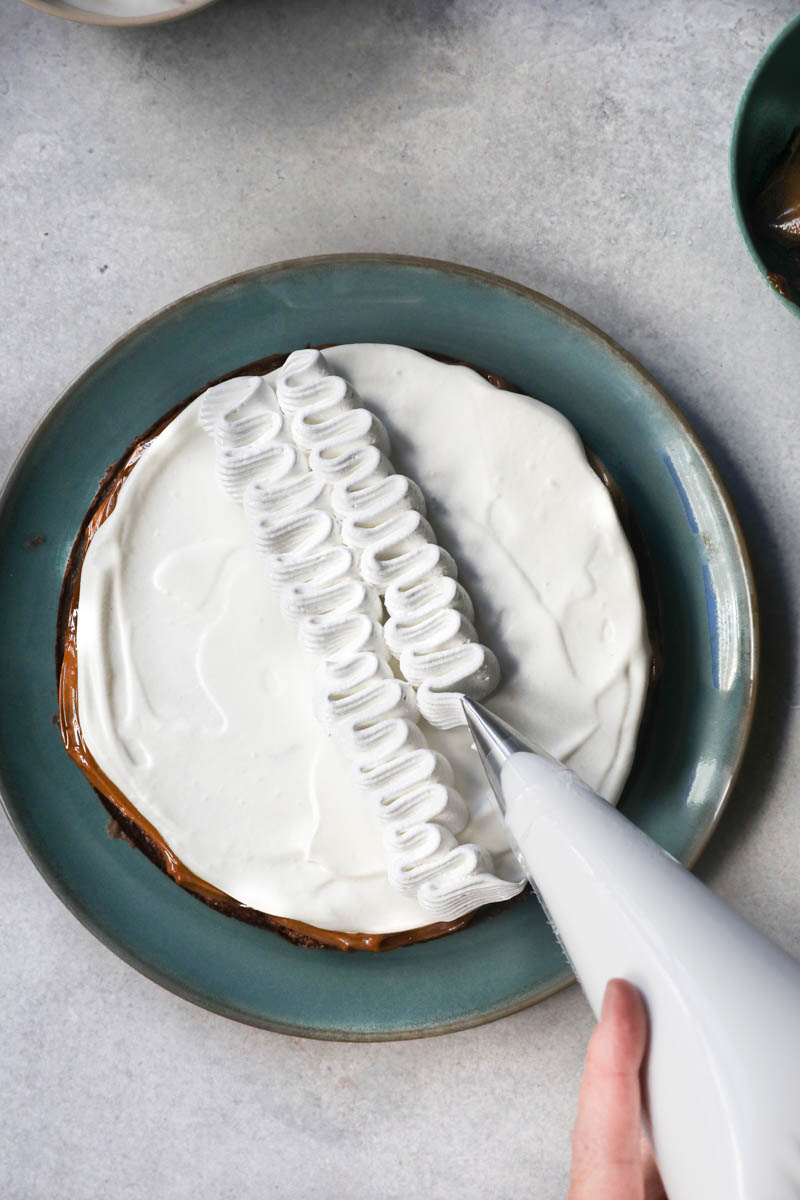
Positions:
(703, 705)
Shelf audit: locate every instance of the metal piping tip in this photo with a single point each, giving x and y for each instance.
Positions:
(495, 742)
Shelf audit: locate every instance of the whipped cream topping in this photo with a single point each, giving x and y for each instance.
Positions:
(382, 517)
(299, 497)
(200, 708)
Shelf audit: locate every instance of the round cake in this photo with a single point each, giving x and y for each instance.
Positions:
(275, 603)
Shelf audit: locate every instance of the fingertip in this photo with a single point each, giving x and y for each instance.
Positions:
(624, 1002)
(624, 1020)
(616, 995)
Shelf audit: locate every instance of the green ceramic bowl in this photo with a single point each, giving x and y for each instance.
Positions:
(769, 111)
(703, 706)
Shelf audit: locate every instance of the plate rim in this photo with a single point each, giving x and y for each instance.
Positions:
(577, 321)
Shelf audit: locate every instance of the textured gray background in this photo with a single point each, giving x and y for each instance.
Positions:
(579, 148)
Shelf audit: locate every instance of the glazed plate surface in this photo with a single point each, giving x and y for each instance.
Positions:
(702, 707)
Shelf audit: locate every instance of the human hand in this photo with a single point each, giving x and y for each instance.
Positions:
(611, 1158)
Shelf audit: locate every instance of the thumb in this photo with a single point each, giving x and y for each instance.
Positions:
(606, 1154)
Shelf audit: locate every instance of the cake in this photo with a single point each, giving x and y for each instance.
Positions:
(275, 603)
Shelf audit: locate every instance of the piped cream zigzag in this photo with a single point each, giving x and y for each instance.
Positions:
(338, 616)
(429, 630)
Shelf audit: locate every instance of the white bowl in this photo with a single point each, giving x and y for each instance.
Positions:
(120, 12)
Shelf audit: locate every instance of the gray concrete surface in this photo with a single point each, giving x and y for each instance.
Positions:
(578, 147)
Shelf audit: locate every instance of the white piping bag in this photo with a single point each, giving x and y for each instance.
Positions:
(722, 1072)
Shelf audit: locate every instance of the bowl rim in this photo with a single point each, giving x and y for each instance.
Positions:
(733, 155)
(586, 327)
(74, 13)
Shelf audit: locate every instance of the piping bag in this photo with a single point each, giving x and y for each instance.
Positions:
(721, 1079)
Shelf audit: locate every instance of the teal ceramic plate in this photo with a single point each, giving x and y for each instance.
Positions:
(769, 111)
(703, 706)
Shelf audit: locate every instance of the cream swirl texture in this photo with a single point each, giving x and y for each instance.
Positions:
(382, 514)
(266, 461)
